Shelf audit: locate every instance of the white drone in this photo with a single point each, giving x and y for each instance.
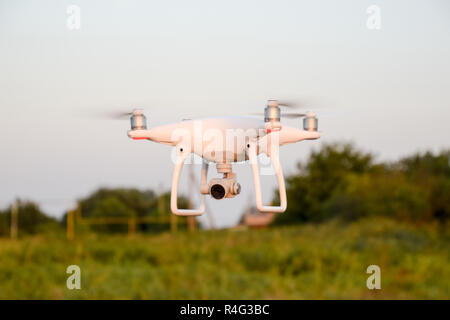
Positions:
(227, 140)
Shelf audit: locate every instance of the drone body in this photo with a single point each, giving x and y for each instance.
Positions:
(224, 141)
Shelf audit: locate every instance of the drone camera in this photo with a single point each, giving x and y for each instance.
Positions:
(224, 188)
(217, 191)
(138, 121)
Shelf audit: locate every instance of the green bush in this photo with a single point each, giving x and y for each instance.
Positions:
(127, 203)
(390, 195)
(310, 261)
(340, 181)
(31, 220)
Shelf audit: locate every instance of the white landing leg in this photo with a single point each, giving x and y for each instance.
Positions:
(181, 157)
(253, 158)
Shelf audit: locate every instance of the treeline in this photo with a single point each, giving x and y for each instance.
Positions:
(340, 181)
(104, 202)
(337, 181)
(31, 220)
(128, 203)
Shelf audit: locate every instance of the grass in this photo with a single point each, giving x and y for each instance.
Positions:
(326, 261)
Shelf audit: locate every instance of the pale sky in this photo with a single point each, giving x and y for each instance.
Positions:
(387, 90)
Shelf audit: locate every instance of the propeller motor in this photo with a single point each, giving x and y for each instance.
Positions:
(138, 120)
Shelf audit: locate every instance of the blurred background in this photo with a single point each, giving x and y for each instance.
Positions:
(76, 190)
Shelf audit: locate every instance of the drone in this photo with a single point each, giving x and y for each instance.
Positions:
(224, 141)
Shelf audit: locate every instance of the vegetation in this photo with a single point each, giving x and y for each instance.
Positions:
(32, 220)
(317, 261)
(128, 203)
(346, 211)
(339, 181)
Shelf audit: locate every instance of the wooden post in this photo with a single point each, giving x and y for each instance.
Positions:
(132, 226)
(173, 223)
(70, 225)
(191, 223)
(14, 220)
(161, 203)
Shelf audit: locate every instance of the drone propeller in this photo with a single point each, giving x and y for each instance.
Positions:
(117, 115)
(294, 115)
(291, 104)
(288, 104)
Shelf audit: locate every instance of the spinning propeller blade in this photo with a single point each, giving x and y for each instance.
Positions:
(283, 115)
(293, 115)
(116, 115)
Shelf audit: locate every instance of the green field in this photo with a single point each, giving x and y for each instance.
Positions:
(325, 261)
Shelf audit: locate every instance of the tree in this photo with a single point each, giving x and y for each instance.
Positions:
(125, 203)
(432, 173)
(340, 181)
(112, 207)
(316, 180)
(31, 220)
(386, 193)
(140, 202)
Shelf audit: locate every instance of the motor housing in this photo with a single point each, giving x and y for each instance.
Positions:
(138, 121)
(272, 111)
(310, 122)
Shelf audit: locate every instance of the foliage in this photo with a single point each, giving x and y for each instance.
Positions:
(340, 181)
(377, 195)
(31, 220)
(4, 224)
(138, 203)
(336, 181)
(432, 173)
(311, 261)
(127, 203)
(111, 207)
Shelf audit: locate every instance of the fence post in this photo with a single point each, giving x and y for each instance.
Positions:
(14, 220)
(173, 222)
(131, 226)
(70, 225)
(191, 223)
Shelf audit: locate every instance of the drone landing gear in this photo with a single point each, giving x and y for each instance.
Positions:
(273, 155)
(181, 157)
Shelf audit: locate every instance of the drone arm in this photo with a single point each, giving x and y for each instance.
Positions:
(289, 135)
(181, 157)
(253, 158)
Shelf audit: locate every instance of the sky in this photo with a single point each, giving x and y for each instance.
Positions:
(386, 89)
